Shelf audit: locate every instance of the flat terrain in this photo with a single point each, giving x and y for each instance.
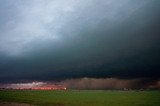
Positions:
(14, 104)
(82, 98)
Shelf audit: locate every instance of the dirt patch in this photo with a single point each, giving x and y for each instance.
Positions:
(14, 104)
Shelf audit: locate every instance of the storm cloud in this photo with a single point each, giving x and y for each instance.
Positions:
(54, 40)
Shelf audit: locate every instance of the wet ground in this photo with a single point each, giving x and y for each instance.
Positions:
(14, 104)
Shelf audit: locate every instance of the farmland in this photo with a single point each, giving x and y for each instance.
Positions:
(82, 98)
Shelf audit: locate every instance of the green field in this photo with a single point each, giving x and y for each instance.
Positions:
(83, 98)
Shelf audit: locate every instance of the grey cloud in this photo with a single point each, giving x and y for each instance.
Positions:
(56, 40)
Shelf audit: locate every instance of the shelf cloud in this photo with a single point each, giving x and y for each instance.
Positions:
(59, 40)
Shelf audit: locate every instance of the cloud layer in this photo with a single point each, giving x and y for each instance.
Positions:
(58, 39)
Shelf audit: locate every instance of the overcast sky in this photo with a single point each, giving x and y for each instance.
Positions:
(50, 40)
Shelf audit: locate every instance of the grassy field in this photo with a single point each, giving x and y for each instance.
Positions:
(83, 98)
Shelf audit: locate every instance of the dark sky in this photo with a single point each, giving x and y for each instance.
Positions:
(50, 40)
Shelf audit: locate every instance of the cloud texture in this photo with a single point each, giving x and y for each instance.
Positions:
(48, 40)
